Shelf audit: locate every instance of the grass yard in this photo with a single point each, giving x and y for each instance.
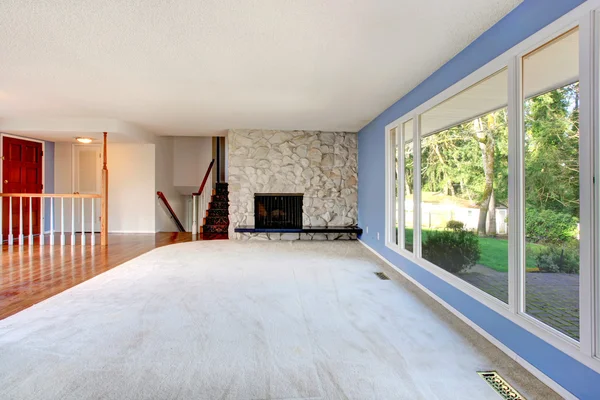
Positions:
(494, 252)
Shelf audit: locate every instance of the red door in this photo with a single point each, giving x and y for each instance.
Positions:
(21, 173)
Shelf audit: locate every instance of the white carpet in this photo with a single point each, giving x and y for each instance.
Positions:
(247, 320)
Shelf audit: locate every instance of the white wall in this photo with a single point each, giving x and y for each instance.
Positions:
(173, 165)
(192, 155)
(63, 181)
(131, 190)
(164, 182)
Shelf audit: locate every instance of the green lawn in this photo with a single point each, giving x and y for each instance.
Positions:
(494, 252)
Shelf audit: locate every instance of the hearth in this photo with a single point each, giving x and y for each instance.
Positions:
(278, 210)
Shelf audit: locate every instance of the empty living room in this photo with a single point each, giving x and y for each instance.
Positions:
(286, 200)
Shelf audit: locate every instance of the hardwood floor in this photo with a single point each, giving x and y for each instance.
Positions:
(30, 274)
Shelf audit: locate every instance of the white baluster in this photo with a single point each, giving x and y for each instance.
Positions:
(82, 221)
(73, 221)
(194, 215)
(62, 221)
(202, 200)
(51, 221)
(21, 221)
(42, 227)
(30, 222)
(93, 239)
(10, 222)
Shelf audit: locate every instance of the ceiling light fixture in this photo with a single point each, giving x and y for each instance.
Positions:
(84, 140)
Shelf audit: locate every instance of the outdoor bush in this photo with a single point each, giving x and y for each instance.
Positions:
(455, 225)
(558, 259)
(549, 226)
(453, 250)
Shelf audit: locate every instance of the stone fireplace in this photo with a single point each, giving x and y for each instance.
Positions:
(320, 165)
(278, 210)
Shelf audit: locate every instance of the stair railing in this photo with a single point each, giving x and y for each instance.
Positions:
(201, 200)
(172, 214)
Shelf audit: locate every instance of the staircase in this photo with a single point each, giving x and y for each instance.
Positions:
(217, 215)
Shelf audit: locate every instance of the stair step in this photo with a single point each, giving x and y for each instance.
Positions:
(218, 220)
(217, 212)
(219, 205)
(215, 228)
(219, 198)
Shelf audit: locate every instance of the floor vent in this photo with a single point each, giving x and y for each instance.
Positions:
(500, 385)
(382, 276)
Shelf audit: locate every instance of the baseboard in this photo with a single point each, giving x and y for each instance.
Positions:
(97, 232)
(533, 370)
(145, 232)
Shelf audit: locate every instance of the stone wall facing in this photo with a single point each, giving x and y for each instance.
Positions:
(322, 165)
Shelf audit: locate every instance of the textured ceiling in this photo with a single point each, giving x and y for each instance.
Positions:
(192, 67)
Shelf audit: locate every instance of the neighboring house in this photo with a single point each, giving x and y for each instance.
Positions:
(437, 209)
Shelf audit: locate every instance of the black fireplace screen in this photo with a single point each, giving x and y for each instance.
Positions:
(278, 210)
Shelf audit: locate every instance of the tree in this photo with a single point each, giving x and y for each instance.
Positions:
(485, 138)
(470, 160)
(552, 150)
(408, 168)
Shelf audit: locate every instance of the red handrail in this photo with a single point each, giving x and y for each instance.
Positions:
(173, 215)
(205, 178)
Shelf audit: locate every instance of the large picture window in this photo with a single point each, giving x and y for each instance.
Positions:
(495, 185)
(551, 168)
(464, 185)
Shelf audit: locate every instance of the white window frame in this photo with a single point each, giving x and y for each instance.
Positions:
(396, 143)
(587, 349)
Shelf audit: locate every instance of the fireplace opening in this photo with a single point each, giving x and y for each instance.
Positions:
(278, 210)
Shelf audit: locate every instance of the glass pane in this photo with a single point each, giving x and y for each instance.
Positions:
(464, 185)
(394, 145)
(551, 112)
(408, 185)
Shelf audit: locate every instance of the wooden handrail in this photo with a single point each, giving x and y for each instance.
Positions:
(104, 192)
(205, 178)
(173, 215)
(57, 195)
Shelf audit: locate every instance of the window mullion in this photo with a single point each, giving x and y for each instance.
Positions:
(516, 238)
(586, 161)
(417, 186)
(400, 180)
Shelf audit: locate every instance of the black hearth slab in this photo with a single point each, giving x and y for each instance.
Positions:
(306, 229)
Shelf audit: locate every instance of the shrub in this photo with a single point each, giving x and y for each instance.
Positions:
(558, 259)
(549, 226)
(455, 225)
(453, 250)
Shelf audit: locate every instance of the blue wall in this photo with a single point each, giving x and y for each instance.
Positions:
(526, 19)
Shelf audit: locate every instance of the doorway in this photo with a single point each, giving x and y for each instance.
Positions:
(87, 179)
(22, 172)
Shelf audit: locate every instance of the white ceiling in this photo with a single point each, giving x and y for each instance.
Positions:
(193, 67)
